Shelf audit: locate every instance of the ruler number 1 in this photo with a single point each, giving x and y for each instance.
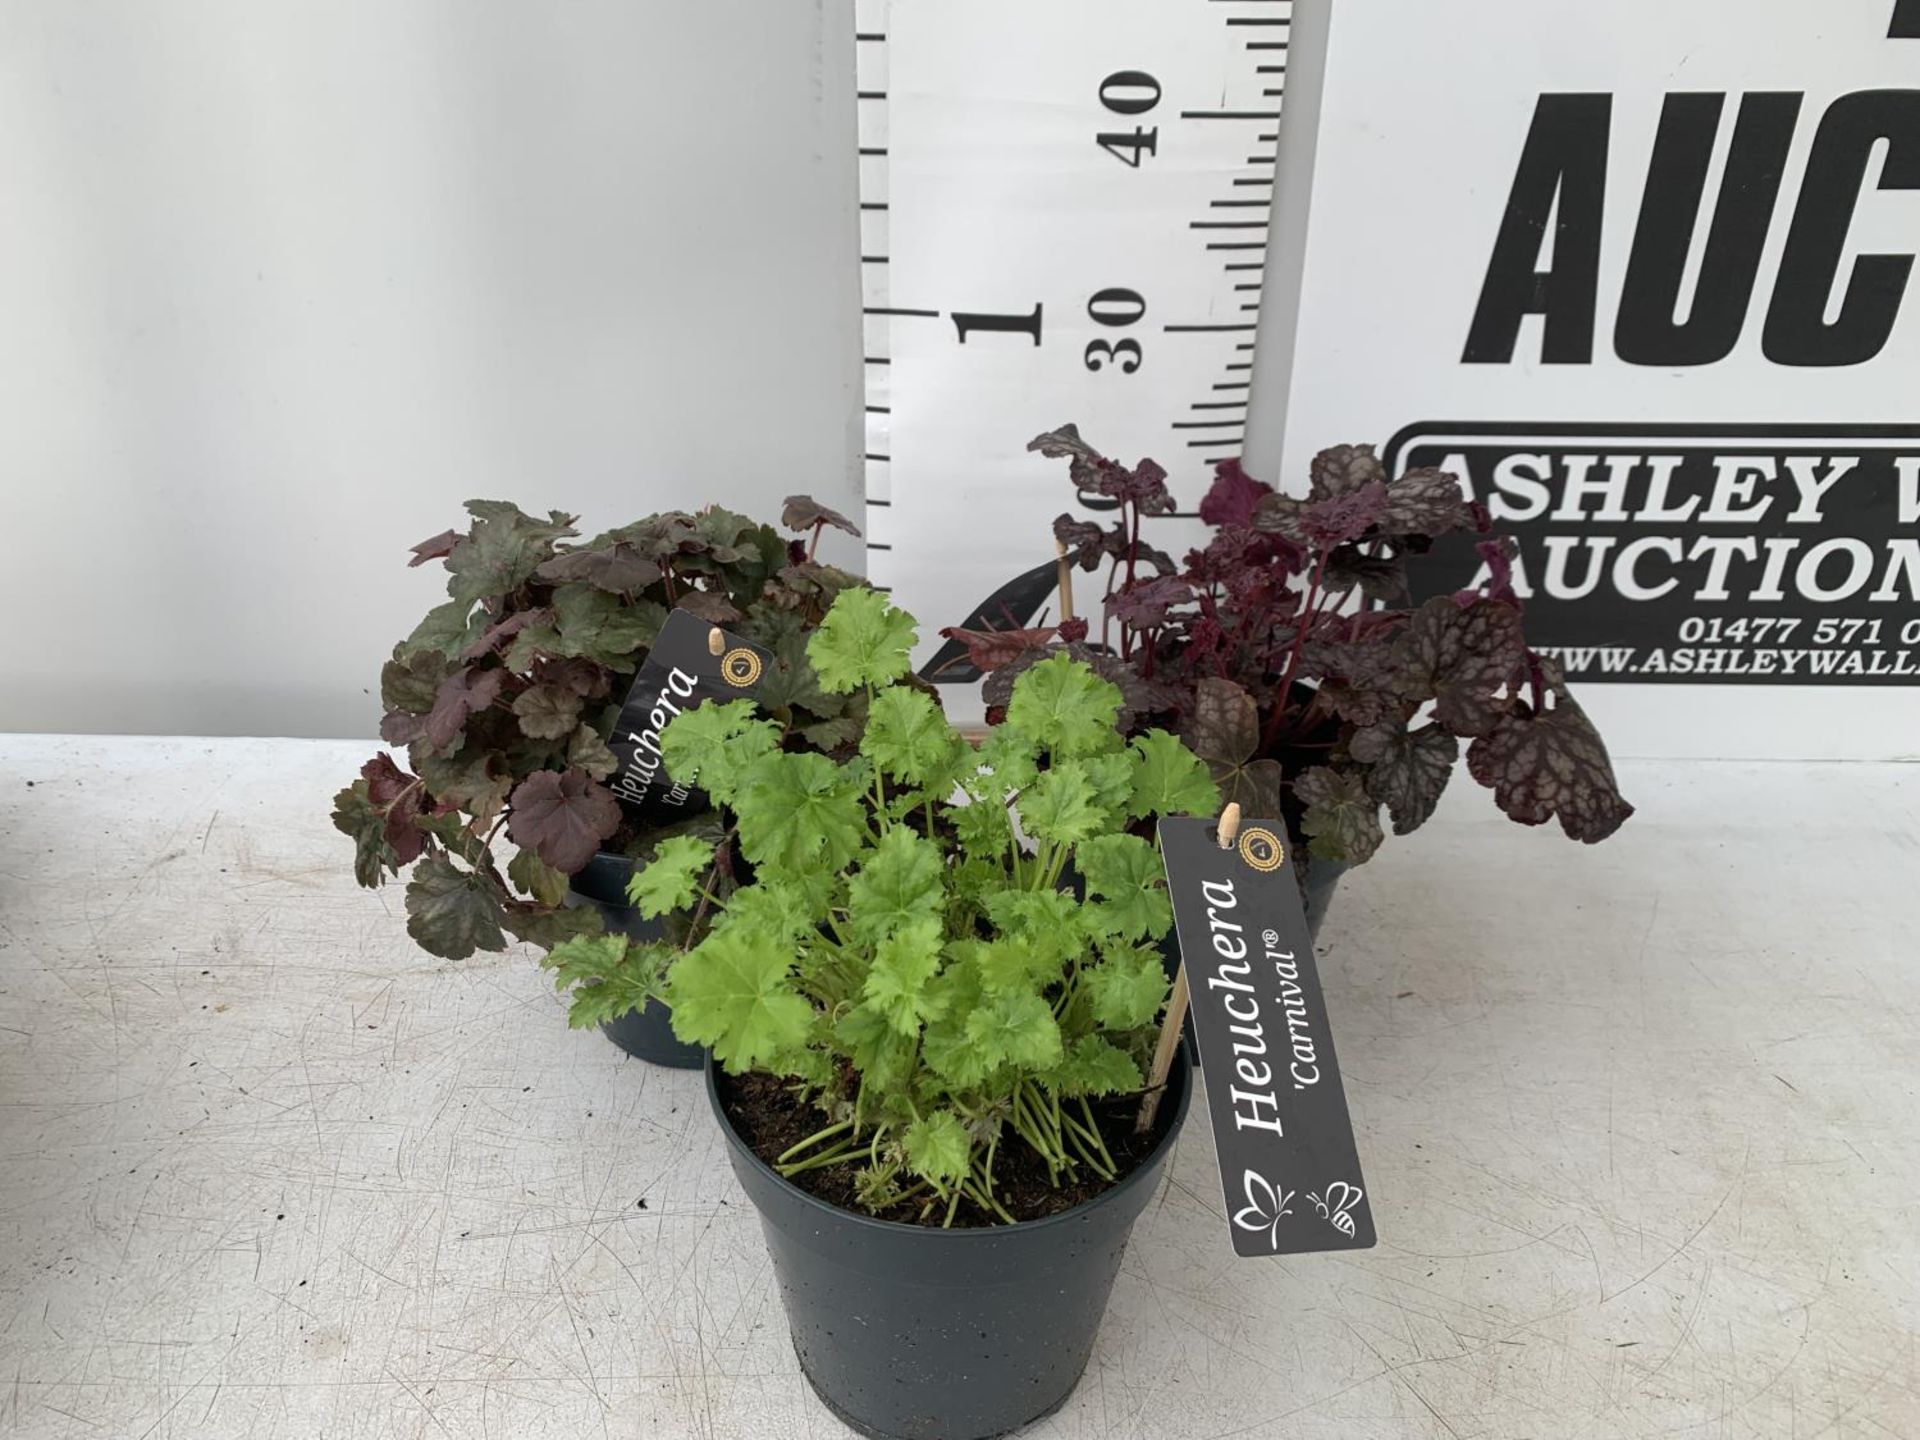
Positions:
(1118, 307)
(1129, 92)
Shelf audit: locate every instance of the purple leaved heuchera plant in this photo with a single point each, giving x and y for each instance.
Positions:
(1287, 653)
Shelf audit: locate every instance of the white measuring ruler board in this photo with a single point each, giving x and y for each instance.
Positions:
(1064, 211)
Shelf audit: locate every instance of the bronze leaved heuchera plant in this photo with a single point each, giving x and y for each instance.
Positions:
(1286, 653)
(504, 696)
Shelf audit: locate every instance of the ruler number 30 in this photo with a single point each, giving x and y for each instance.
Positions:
(1115, 306)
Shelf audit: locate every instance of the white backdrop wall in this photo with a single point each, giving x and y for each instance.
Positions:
(281, 284)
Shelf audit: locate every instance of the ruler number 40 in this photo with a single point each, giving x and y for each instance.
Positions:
(1129, 92)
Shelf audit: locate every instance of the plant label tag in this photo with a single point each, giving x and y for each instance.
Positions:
(1288, 1166)
(681, 672)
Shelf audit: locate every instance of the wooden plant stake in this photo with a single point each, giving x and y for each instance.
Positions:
(1176, 1015)
(1066, 581)
(716, 641)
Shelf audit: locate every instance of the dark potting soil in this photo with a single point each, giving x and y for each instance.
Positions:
(768, 1115)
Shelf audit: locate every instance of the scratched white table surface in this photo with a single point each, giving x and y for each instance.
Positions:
(1639, 1122)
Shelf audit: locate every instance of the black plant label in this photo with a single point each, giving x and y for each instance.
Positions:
(680, 673)
(1288, 1166)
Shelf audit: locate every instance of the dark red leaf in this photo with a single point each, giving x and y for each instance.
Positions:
(710, 606)
(1426, 502)
(619, 568)
(399, 797)
(438, 548)
(494, 636)
(1145, 605)
(1459, 659)
(1343, 469)
(990, 649)
(1409, 769)
(803, 512)
(562, 818)
(1233, 495)
(460, 694)
(1546, 763)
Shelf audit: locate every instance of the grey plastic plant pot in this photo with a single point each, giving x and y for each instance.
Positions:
(647, 1034)
(912, 1333)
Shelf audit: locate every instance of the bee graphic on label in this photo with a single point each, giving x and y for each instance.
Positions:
(1337, 1208)
(740, 667)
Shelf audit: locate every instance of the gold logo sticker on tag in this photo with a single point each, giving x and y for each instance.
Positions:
(1262, 849)
(740, 667)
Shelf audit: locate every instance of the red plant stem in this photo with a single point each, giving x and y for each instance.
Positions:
(1308, 615)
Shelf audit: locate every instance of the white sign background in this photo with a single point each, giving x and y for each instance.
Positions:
(1410, 178)
(985, 191)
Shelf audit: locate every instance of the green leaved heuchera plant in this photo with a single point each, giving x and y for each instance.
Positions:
(911, 951)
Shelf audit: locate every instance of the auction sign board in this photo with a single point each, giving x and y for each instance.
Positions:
(1642, 275)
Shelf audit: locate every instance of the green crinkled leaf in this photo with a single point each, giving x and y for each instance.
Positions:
(908, 738)
(1015, 1028)
(897, 983)
(982, 828)
(447, 630)
(1168, 779)
(609, 976)
(1061, 807)
(864, 640)
(547, 712)
(537, 878)
(717, 746)
(944, 1044)
(938, 1147)
(881, 1054)
(672, 878)
(1061, 704)
(1341, 819)
(1016, 963)
(766, 907)
(1008, 761)
(1125, 871)
(1095, 1066)
(1048, 920)
(899, 882)
(601, 627)
(734, 992)
(1127, 987)
(800, 813)
(450, 911)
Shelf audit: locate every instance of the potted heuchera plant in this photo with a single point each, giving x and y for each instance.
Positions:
(927, 1049)
(1287, 655)
(504, 697)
